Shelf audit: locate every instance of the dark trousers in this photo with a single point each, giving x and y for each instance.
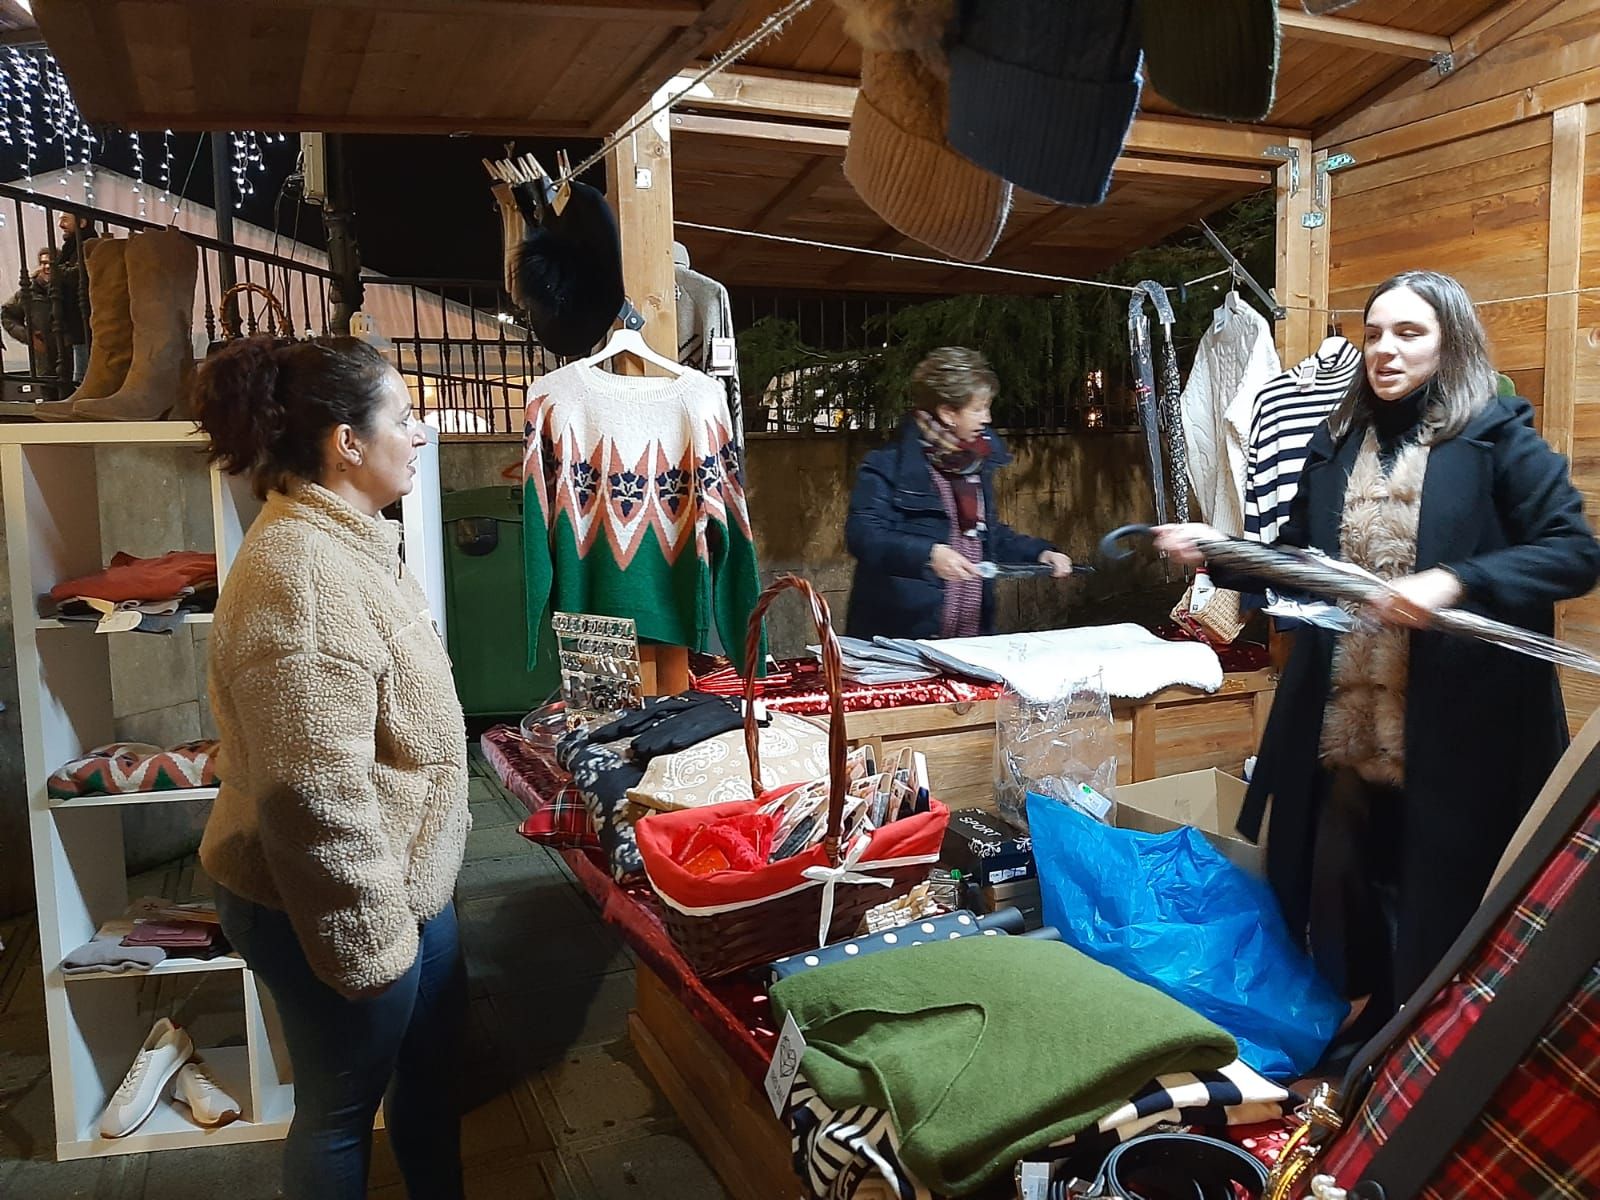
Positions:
(1355, 875)
(400, 1048)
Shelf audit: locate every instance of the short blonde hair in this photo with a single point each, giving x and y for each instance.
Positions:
(950, 377)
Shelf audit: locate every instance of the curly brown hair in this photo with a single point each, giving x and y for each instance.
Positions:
(950, 377)
(266, 406)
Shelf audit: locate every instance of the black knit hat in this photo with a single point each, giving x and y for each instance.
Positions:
(1218, 58)
(568, 274)
(1042, 92)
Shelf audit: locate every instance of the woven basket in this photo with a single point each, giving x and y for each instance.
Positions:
(1218, 621)
(230, 317)
(757, 931)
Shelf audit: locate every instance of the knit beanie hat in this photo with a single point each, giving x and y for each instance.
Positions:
(918, 26)
(1214, 59)
(1043, 92)
(900, 164)
(568, 273)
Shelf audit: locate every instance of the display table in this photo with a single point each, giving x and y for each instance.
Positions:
(1172, 732)
(706, 1044)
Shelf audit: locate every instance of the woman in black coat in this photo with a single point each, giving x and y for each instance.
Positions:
(922, 515)
(1398, 761)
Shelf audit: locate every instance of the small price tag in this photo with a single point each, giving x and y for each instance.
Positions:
(722, 359)
(785, 1065)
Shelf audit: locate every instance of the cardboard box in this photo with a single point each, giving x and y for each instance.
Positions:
(1208, 800)
(1021, 894)
(987, 849)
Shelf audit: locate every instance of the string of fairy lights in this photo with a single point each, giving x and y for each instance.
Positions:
(39, 120)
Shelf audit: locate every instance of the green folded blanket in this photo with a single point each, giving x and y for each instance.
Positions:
(985, 1050)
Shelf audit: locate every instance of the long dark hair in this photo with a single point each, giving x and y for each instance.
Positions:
(1465, 381)
(268, 406)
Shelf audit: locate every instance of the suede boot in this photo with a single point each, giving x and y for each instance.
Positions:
(162, 267)
(110, 326)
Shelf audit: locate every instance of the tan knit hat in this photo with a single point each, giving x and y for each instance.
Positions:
(900, 163)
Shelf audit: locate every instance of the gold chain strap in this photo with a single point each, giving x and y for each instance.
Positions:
(1320, 1122)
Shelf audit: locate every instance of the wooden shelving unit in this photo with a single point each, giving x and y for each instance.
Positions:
(96, 1024)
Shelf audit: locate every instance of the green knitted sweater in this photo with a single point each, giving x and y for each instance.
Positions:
(987, 1049)
(636, 486)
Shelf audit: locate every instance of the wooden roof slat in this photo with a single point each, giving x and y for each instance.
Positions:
(1360, 35)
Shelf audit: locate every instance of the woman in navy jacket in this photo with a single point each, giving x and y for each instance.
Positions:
(923, 514)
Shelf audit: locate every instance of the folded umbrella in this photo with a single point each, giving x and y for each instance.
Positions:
(1309, 573)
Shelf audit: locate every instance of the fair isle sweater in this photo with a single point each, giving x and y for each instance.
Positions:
(633, 482)
(344, 758)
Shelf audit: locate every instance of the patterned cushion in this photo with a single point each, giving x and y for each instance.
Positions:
(124, 768)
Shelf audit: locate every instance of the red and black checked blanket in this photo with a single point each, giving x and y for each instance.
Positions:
(1540, 1135)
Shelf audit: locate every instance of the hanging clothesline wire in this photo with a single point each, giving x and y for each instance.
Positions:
(768, 29)
(913, 258)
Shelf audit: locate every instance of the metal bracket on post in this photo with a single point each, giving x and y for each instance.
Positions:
(1445, 63)
(1321, 189)
(1290, 155)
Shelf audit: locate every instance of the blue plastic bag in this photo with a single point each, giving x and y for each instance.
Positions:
(1169, 910)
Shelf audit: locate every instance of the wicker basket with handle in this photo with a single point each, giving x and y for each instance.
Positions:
(230, 317)
(730, 920)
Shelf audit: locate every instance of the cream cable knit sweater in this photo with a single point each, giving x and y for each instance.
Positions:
(344, 794)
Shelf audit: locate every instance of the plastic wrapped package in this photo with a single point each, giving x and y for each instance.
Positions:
(1065, 748)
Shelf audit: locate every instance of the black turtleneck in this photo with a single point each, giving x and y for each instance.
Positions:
(1396, 423)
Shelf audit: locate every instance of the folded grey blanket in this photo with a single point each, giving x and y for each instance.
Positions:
(105, 952)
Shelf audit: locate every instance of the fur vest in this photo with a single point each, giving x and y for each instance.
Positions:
(1364, 724)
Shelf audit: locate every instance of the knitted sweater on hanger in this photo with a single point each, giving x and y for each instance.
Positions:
(633, 482)
(1287, 412)
(1234, 361)
(705, 312)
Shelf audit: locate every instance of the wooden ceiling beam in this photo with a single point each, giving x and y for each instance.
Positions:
(831, 102)
(1361, 35)
(826, 139)
(646, 12)
(1400, 100)
(791, 198)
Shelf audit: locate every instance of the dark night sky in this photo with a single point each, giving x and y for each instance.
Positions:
(422, 203)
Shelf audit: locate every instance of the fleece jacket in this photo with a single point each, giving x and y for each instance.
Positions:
(344, 793)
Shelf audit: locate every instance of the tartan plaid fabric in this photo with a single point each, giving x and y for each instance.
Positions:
(1540, 1135)
(557, 815)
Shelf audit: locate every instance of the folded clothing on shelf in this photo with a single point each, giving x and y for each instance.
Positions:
(175, 936)
(105, 953)
(166, 577)
(126, 768)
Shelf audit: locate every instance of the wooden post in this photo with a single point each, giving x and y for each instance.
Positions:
(639, 174)
(1568, 147)
(1299, 333)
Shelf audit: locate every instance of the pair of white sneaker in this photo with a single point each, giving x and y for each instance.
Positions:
(167, 1052)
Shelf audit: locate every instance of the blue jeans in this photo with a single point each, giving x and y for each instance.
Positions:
(400, 1048)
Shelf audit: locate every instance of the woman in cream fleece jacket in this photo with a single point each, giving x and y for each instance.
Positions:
(340, 825)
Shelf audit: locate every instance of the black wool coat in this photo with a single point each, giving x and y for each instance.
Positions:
(896, 519)
(1484, 726)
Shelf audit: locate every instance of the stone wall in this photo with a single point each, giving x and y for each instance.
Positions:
(1071, 489)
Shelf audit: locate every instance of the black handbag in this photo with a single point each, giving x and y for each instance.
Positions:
(1169, 1166)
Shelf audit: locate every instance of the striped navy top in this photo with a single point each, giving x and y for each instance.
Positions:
(1286, 413)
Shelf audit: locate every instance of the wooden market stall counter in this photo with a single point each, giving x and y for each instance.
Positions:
(1177, 730)
(707, 1043)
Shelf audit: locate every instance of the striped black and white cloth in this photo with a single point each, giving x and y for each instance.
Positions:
(1287, 412)
(854, 1153)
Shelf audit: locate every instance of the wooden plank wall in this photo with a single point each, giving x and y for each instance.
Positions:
(1493, 175)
